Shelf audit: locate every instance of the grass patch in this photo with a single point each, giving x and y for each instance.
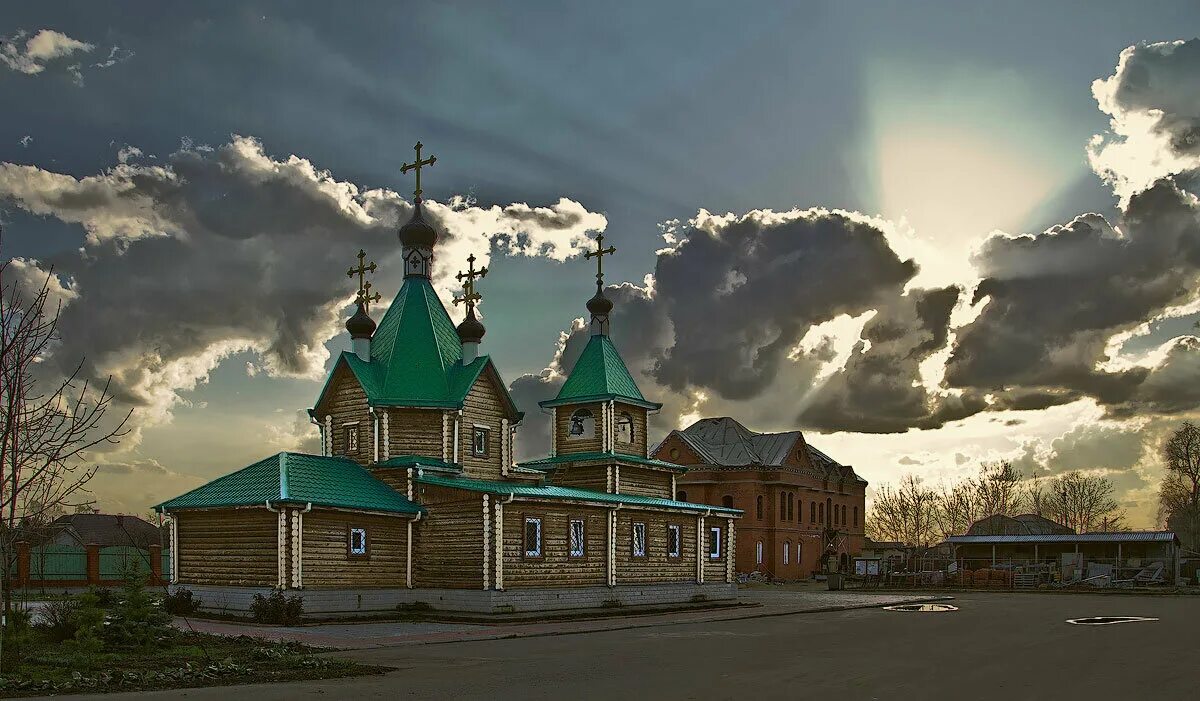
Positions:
(190, 660)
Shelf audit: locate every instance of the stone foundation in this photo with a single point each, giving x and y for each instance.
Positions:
(236, 600)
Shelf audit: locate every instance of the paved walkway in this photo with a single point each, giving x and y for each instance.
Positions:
(358, 636)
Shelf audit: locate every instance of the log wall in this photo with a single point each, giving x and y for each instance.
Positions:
(415, 432)
(556, 568)
(347, 402)
(645, 482)
(448, 540)
(583, 476)
(231, 547)
(577, 445)
(484, 407)
(655, 566)
(638, 414)
(326, 559)
(714, 570)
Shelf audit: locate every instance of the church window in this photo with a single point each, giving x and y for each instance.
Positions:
(856, 515)
(639, 540)
(714, 543)
(758, 508)
(674, 540)
(681, 495)
(357, 542)
(758, 553)
(533, 536)
(797, 553)
(479, 442)
(727, 501)
(582, 425)
(791, 506)
(577, 540)
(787, 552)
(812, 512)
(350, 439)
(782, 506)
(624, 428)
(843, 514)
(674, 453)
(821, 513)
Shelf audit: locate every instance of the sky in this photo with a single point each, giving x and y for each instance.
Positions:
(927, 234)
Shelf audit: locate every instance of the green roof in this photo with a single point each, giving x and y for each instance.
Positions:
(418, 461)
(297, 478)
(549, 463)
(416, 355)
(554, 492)
(600, 374)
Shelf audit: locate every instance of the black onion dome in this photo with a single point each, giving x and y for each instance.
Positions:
(360, 324)
(471, 330)
(418, 233)
(599, 305)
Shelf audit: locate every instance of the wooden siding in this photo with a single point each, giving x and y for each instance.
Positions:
(645, 482)
(415, 432)
(578, 445)
(448, 540)
(556, 568)
(714, 570)
(638, 414)
(231, 547)
(655, 566)
(347, 402)
(582, 476)
(484, 407)
(326, 558)
(394, 477)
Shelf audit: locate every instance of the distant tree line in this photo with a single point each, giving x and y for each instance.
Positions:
(915, 513)
(1179, 495)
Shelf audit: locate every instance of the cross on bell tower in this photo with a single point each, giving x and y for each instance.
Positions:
(600, 305)
(416, 165)
(418, 237)
(470, 331)
(364, 297)
(599, 254)
(470, 296)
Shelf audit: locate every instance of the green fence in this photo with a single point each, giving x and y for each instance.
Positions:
(58, 562)
(114, 560)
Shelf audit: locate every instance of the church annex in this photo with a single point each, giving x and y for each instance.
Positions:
(416, 498)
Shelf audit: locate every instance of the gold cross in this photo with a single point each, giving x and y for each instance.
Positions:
(470, 296)
(364, 296)
(417, 167)
(599, 254)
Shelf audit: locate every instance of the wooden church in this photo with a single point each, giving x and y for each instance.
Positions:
(416, 497)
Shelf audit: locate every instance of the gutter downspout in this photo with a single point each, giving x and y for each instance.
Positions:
(298, 547)
(408, 557)
(457, 421)
(320, 431)
(375, 435)
(498, 580)
(612, 544)
(280, 543)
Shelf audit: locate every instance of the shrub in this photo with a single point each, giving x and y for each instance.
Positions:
(277, 608)
(89, 623)
(60, 619)
(136, 620)
(105, 597)
(181, 602)
(17, 636)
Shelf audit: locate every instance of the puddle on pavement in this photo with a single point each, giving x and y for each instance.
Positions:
(921, 608)
(1107, 620)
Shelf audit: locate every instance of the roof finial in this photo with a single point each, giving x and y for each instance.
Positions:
(470, 331)
(599, 254)
(416, 165)
(364, 296)
(600, 305)
(470, 296)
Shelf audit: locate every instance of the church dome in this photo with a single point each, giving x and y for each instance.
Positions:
(599, 305)
(418, 233)
(360, 325)
(470, 330)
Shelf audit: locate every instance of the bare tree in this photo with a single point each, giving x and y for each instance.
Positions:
(1179, 495)
(908, 513)
(1084, 503)
(999, 489)
(48, 423)
(958, 508)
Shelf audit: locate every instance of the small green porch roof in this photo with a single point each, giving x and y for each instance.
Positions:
(553, 492)
(297, 478)
(599, 375)
(551, 462)
(406, 461)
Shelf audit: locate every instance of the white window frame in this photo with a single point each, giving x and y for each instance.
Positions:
(674, 540)
(350, 438)
(758, 553)
(714, 543)
(638, 545)
(578, 547)
(787, 553)
(537, 550)
(621, 421)
(475, 433)
(357, 552)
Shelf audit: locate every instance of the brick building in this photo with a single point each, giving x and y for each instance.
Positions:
(799, 503)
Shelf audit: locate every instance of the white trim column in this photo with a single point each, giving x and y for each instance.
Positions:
(445, 436)
(329, 435)
(174, 549)
(553, 431)
(730, 545)
(297, 554)
(505, 447)
(487, 542)
(385, 449)
(281, 542)
(700, 550)
(612, 547)
(499, 506)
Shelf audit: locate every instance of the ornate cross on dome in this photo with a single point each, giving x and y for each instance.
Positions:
(599, 254)
(470, 296)
(364, 288)
(416, 165)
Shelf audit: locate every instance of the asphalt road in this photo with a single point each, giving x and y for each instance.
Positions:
(997, 646)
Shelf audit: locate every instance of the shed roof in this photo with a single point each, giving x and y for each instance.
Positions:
(1115, 537)
(297, 478)
(551, 492)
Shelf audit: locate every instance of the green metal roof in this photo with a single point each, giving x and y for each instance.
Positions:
(553, 492)
(297, 478)
(416, 356)
(418, 461)
(549, 463)
(600, 374)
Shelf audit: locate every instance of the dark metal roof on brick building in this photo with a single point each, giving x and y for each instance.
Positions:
(1119, 537)
(724, 443)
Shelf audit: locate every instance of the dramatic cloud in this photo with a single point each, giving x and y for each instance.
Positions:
(225, 250)
(43, 47)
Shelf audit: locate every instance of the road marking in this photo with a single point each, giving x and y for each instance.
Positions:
(1107, 620)
(922, 608)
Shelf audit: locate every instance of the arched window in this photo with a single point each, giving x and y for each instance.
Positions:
(624, 428)
(798, 553)
(856, 515)
(843, 514)
(833, 516)
(787, 552)
(791, 506)
(758, 553)
(821, 513)
(812, 512)
(828, 510)
(583, 425)
(681, 495)
(727, 501)
(758, 508)
(782, 506)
